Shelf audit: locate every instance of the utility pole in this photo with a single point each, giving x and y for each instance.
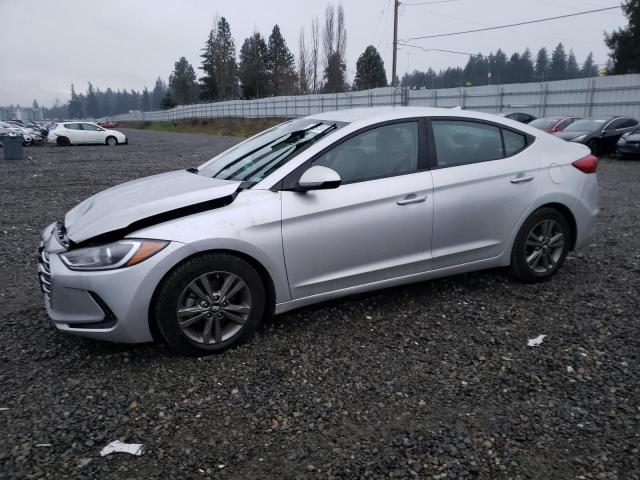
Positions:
(396, 4)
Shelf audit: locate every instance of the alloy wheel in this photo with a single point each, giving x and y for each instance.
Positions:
(214, 307)
(545, 245)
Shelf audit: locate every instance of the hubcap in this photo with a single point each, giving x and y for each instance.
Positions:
(214, 307)
(544, 246)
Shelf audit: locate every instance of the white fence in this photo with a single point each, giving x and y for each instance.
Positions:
(610, 95)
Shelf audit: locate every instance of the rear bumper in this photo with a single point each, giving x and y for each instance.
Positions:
(586, 211)
(628, 149)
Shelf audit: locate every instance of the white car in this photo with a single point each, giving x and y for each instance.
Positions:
(77, 133)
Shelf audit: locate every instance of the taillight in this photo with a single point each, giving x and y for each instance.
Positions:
(588, 164)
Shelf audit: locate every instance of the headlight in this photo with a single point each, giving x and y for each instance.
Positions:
(579, 139)
(622, 141)
(124, 253)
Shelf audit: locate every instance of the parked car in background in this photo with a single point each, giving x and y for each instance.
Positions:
(600, 134)
(79, 133)
(108, 124)
(629, 144)
(314, 209)
(30, 135)
(552, 124)
(40, 128)
(8, 129)
(519, 116)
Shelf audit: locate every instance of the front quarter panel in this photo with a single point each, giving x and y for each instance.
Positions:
(250, 225)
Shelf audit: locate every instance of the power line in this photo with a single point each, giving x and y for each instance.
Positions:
(513, 24)
(438, 50)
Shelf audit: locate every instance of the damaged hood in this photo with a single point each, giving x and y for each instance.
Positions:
(131, 203)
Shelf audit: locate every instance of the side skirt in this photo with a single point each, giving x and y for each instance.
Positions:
(494, 262)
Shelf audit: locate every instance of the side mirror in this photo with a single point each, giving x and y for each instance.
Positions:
(318, 178)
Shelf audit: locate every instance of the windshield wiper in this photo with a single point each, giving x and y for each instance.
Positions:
(273, 164)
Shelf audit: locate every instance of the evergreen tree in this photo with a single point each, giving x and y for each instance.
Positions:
(558, 67)
(92, 108)
(625, 42)
(208, 82)
(512, 73)
(146, 100)
(498, 66)
(542, 66)
(221, 63)
(159, 89)
(167, 101)
(589, 69)
(253, 67)
(35, 105)
(75, 105)
(573, 71)
(109, 103)
(370, 72)
(280, 65)
(526, 67)
(182, 83)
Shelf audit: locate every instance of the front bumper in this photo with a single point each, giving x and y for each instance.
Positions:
(108, 305)
(628, 148)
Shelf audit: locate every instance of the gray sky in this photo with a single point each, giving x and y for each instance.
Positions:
(128, 43)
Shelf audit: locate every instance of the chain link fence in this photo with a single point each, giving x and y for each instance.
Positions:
(610, 95)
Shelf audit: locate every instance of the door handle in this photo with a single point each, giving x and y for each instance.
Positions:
(409, 199)
(522, 179)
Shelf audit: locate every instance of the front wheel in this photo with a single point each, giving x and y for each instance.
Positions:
(209, 303)
(112, 141)
(541, 246)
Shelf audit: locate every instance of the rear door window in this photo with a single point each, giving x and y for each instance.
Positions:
(73, 126)
(460, 142)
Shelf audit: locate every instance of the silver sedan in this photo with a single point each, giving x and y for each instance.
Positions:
(314, 209)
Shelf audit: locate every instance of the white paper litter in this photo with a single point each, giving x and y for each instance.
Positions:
(118, 446)
(2, 409)
(534, 342)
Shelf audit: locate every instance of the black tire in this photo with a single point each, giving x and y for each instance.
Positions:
(520, 268)
(63, 142)
(111, 141)
(170, 292)
(594, 146)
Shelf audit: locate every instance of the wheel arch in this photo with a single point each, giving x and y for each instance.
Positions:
(568, 216)
(266, 278)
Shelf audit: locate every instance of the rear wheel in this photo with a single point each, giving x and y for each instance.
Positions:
(541, 246)
(63, 141)
(111, 141)
(209, 303)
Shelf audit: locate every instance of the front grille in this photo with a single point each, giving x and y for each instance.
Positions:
(44, 271)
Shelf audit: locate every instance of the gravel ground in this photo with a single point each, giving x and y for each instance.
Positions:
(434, 380)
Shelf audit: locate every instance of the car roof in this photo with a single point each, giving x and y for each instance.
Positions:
(371, 115)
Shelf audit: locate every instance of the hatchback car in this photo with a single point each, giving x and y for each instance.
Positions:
(600, 134)
(314, 209)
(77, 133)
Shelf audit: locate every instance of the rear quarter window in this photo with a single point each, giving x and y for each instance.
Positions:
(513, 142)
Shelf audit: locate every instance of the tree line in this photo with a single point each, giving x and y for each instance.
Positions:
(266, 67)
(497, 68)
